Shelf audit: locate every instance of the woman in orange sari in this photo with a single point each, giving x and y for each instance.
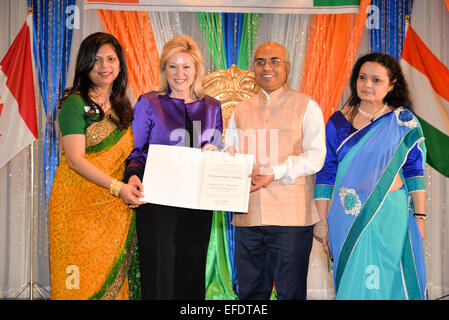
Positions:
(92, 228)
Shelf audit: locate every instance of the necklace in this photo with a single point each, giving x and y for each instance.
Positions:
(102, 101)
(375, 115)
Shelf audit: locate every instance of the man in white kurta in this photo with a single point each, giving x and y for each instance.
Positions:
(284, 129)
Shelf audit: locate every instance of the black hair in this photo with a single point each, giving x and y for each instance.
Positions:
(82, 83)
(397, 97)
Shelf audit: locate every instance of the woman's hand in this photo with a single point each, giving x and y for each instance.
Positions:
(419, 206)
(321, 232)
(131, 192)
(321, 229)
(209, 147)
(422, 228)
(135, 181)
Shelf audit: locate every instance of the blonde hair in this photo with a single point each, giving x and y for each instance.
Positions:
(187, 45)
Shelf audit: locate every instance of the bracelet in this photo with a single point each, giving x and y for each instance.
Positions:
(421, 216)
(323, 226)
(115, 187)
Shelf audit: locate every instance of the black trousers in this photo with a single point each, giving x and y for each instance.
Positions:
(270, 254)
(173, 245)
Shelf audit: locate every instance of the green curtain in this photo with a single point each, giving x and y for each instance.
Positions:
(249, 32)
(218, 267)
(212, 28)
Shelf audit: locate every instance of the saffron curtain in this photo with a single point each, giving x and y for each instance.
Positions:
(134, 32)
(332, 48)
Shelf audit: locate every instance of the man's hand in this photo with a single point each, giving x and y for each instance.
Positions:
(231, 150)
(261, 177)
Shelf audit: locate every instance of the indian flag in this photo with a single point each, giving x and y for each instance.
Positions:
(428, 81)
(247, 6)
(18, 124)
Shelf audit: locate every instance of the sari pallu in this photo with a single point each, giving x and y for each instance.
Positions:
(373, 235)
(92, 233)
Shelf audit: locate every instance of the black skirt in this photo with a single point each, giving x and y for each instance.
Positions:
(173, 244)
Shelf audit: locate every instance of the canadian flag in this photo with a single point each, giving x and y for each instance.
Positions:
(18, 124)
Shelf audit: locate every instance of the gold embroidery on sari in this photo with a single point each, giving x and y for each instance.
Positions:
(116, 286)
(100, 130)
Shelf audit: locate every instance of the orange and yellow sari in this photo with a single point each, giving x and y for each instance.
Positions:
(92, 233)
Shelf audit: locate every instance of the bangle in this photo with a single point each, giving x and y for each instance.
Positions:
(321, 226)
(115, 187)
(420, 216)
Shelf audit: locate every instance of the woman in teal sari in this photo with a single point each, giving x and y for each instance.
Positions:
(370, 193)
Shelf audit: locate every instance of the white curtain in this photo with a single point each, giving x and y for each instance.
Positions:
(291, 31)
(167, 25)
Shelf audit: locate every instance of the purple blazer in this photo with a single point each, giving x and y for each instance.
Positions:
(160, 119)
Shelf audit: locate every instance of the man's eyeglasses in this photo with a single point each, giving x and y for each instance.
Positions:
(274, 62)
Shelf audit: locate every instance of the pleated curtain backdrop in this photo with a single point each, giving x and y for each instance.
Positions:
(134, 32)
(52, 46)
(231, 38)
(332, 47)
(212, 27)
(291, 31)
(388, 34)
(318, 68)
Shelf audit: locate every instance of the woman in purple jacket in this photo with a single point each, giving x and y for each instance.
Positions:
(173, 241)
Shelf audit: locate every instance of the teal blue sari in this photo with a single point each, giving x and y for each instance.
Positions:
(373, 236)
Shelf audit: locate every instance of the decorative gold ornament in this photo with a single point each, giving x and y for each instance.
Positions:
(230, 86)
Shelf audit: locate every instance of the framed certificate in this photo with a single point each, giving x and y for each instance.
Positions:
(190, 178)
